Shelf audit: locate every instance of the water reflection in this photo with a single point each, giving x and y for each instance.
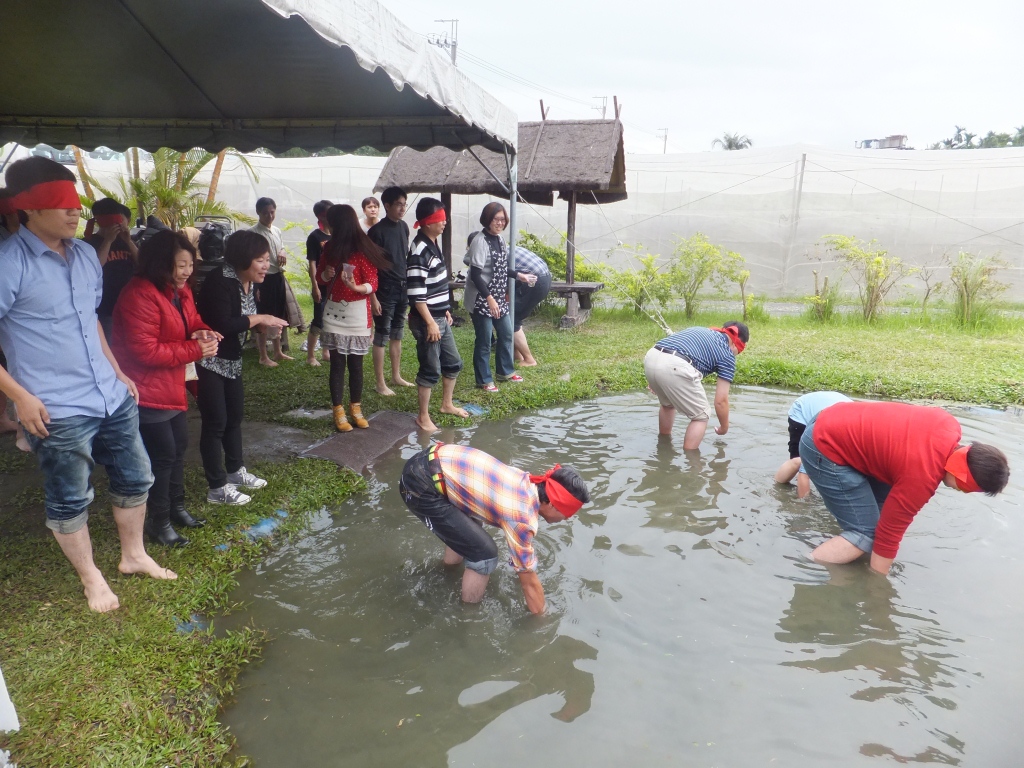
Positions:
(680, 490)
(854, 623)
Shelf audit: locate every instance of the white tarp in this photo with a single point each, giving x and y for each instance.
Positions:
(8, 717)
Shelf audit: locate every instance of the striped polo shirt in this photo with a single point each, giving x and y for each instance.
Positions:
(707, 350)
(426, 276)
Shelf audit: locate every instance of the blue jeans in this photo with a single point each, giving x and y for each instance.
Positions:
(854, 499)
(482, 348)
(394, 304)
(76, 444)
(437, 358)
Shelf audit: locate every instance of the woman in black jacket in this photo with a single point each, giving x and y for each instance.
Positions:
(228, 305)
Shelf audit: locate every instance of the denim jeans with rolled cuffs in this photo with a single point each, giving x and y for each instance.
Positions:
(854, 499)
(75, 445)
(436, 358)
(456, 529)
(482, 348)
(390, 323)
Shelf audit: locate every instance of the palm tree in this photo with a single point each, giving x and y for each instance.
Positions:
(171, 191)
(731, 141)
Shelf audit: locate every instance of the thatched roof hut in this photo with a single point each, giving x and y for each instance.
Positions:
(564, 156)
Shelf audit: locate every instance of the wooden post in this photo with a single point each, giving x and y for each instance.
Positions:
(80, 162)
(572, 304)
(446, 243)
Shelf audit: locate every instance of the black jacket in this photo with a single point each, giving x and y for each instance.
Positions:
(220, 306)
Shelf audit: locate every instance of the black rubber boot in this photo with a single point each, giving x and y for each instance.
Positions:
(181, 517)
(158, 529)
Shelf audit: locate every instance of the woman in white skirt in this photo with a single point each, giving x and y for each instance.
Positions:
(348, 266)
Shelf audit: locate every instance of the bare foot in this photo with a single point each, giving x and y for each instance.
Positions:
(385, 390)
(427, 426)
(268, 362)
(455, 411)
(400, 382)
(313, 362)
(528, 363)
(100, 597)
(283, 356)
(22, 443)
(146, 566)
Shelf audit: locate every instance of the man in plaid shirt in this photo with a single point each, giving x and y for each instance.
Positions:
(454, 490)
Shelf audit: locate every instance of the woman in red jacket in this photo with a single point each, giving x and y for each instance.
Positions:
(157, 338)
(348, 266)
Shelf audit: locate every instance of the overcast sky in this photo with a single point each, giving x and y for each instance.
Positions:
(820, 72)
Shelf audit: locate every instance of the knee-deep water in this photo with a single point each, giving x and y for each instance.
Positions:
(685, 625)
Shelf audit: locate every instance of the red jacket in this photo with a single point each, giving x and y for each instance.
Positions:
(905, 446)
(149, 342)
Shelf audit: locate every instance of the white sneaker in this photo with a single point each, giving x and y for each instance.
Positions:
(227, 494)
(244, 479)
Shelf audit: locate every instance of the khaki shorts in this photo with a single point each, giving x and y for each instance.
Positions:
(677, 384)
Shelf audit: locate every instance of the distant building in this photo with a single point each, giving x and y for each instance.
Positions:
(889, 142)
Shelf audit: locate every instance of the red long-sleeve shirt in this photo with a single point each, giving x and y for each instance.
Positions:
(904, 446)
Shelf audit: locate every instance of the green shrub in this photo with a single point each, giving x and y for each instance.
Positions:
(639, 288)
(874, 271)
(973, 287)
(556, 259)
(696, 262)
(822, 305)
(754, 310)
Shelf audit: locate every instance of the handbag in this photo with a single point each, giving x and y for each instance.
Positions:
(345, 318)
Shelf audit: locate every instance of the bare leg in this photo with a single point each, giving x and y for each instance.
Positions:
(311, 338)
(803, 485)
(787, 471)
(378, 371)
(522, 349)
(451, 557)
(837, 550)
(21, 442)
(666, 418)
(261, 347)
(395, 350)
(423, 420)
(473, 586)
(134, 558)
(447, 406)
(278, 353)
(7, 424)
(694, 434)
(77, 548)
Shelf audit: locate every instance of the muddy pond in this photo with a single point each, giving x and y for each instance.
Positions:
(685, 625)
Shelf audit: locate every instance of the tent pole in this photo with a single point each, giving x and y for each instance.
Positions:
(572, 304)
(446, 244)
(513, 186)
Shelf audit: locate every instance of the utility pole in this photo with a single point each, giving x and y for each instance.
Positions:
(664, 137)
(450, 44)
(604, 106)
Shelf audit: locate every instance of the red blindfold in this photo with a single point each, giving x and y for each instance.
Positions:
(956, 465)
(48, 195)
(559, 497)
(110, 219)
(734, 335)
(434, 218)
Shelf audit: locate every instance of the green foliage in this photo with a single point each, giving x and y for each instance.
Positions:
(974, 288)
(639, 288)
(822, 305)
(732, 141)
(754, 310)
(872, 269)
(171, 190)
(556, 259)
(696, 262)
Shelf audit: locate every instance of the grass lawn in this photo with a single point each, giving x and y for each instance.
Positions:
(128, 689)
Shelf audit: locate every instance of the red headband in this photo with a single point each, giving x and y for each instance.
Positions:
(956, 465)
(49, 194)
(559, 497)
(109, 219)
(733, 333)
(434, 218)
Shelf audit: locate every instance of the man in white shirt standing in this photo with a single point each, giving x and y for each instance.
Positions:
(270, 295)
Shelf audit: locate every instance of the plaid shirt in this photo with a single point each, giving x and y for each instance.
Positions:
(483, 487)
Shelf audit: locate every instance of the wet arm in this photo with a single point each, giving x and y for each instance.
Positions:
(881, 564)
(722, 405)
(533, 591)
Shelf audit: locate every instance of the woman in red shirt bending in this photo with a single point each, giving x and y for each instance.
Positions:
(157, 334)
(348, 267)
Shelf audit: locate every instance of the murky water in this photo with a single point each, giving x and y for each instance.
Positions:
(685, 625)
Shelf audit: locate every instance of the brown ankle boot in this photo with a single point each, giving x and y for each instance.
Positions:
(340, 422)
(357, 416)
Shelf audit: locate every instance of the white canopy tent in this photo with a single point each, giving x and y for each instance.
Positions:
(234, 73)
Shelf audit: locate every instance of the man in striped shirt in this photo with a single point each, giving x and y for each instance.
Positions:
(455, 489)
(430, 316)
(676, 366)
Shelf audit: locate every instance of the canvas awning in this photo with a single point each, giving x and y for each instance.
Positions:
(234, 73)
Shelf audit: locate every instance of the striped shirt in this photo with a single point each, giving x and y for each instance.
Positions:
(426, 276)
(500, 495)
(708, 350)
(530, 262)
